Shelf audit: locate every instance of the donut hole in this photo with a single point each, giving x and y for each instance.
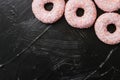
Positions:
(80, 12)
(66, 0)
(48, 6)
(111, 28)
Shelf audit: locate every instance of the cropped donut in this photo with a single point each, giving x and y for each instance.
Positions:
(108, 5)
(84, 21)
(46, 16)
(101, 28)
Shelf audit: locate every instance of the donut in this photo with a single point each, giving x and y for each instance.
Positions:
(102, 32)
(108, 5)
(88, 17)
(46, 16)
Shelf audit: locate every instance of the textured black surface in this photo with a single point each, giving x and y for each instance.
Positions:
(60, 53)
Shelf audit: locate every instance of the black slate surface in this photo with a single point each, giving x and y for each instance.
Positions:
(32, 50)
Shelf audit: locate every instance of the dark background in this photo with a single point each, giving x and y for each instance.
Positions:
(61, 53)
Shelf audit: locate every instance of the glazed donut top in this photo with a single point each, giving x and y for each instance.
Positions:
(108, 5)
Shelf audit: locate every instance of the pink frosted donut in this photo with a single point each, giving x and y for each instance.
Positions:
(108, 5)
(101, 28)
(88, 17)
(48, 16)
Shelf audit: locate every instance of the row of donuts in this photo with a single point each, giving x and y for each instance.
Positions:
(84, 21)
(70, 8)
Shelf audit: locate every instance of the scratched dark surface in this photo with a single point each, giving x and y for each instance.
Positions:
(31, 50)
